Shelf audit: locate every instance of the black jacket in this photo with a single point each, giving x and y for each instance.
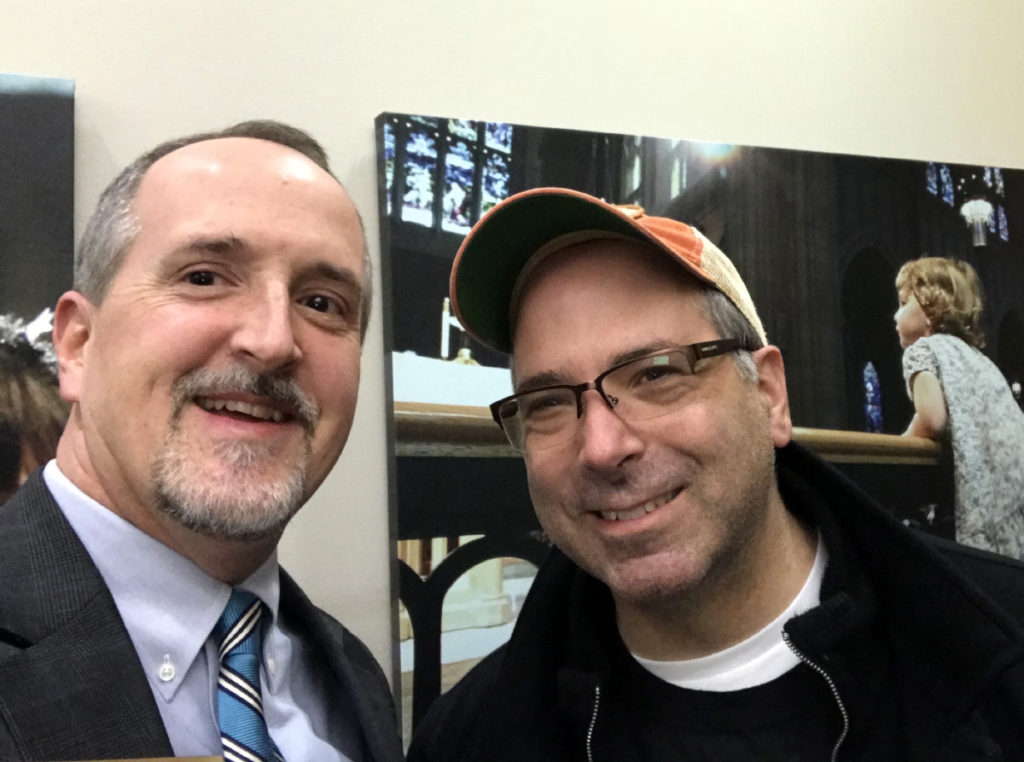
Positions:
(920, 632)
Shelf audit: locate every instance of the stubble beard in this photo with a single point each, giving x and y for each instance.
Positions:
(246, 504)
(700, 568)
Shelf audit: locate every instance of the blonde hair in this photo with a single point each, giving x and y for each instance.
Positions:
(949, 293)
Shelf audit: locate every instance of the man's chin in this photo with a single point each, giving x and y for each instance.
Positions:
(237, 532)
(258, 517)
(651, 586)
(229, 501)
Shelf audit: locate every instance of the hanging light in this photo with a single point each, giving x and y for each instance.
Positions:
(976, 213)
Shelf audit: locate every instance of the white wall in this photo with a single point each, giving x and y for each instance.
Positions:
(916, 79)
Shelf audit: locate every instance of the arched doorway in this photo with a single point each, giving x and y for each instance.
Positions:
(873, 375)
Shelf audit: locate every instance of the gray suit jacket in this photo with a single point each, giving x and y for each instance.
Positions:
(71, 685)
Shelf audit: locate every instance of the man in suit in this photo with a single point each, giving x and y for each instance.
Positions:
(210, 352)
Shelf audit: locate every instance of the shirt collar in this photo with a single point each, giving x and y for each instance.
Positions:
(168, 604)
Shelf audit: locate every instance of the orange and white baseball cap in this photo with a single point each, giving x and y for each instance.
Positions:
(518, 233)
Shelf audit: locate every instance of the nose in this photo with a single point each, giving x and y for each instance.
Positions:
(606, 440)
(265, 333)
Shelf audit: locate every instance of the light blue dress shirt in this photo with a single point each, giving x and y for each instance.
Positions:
(169, 607)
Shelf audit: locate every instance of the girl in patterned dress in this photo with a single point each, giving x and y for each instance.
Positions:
(962, 399)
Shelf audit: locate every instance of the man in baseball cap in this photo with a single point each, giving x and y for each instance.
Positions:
(716, 592)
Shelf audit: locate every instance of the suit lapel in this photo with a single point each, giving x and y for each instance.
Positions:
(357, 675)
(79, 691)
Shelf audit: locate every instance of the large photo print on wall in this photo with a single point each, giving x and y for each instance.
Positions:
(819, 239)
(36, 191)
(36, 244)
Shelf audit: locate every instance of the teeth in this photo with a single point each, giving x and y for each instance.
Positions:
(262, 412)
(636, 513)
(642, 510)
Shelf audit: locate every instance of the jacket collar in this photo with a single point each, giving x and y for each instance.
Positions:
(353, 668)
(908, 583)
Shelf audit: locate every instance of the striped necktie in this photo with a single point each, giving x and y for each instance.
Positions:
(243, 730)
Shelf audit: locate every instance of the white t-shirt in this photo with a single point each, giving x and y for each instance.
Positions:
(759, 659)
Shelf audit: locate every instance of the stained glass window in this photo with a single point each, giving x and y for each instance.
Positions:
(931, 179)
(420, 160)
(389, 163)
(462, 128)
(872, 399)
(1004, 225)
(498, 136)
(459, 171)
(445, 173)
(495, 181)
(997, 177)
(495, 185)
(947, 184)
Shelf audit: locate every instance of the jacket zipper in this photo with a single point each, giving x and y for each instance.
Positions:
(831, 686)
(593, 722)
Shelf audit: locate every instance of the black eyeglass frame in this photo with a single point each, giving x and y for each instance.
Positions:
(695, 353)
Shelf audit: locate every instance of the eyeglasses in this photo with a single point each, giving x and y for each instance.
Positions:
(637, 390)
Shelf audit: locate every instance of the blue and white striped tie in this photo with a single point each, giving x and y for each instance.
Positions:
(243, 730)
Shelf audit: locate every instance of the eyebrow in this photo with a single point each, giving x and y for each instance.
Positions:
(222, 244)
(540, 380)
(634, 354)
(343, 276)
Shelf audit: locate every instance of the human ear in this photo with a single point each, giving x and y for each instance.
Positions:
(72, 328)
(772, 386)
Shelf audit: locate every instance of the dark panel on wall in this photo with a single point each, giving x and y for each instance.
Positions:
(36, 192)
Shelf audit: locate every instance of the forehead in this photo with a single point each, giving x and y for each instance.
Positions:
(603, 299)
(223, 160)
(248, 188)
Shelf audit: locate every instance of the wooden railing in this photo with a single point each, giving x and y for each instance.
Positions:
(457, 476)
(445, 430)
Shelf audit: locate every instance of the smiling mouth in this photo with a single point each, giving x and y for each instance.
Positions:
(641, 510)
(248, 409)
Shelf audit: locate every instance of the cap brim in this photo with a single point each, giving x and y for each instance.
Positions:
(495, 251)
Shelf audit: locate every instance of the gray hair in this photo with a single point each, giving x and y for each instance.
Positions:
(113, 227)
(729, 323)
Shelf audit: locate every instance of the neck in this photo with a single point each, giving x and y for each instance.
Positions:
(737, 598)
(229, 561)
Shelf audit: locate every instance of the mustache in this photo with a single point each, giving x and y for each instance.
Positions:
(203, 382)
